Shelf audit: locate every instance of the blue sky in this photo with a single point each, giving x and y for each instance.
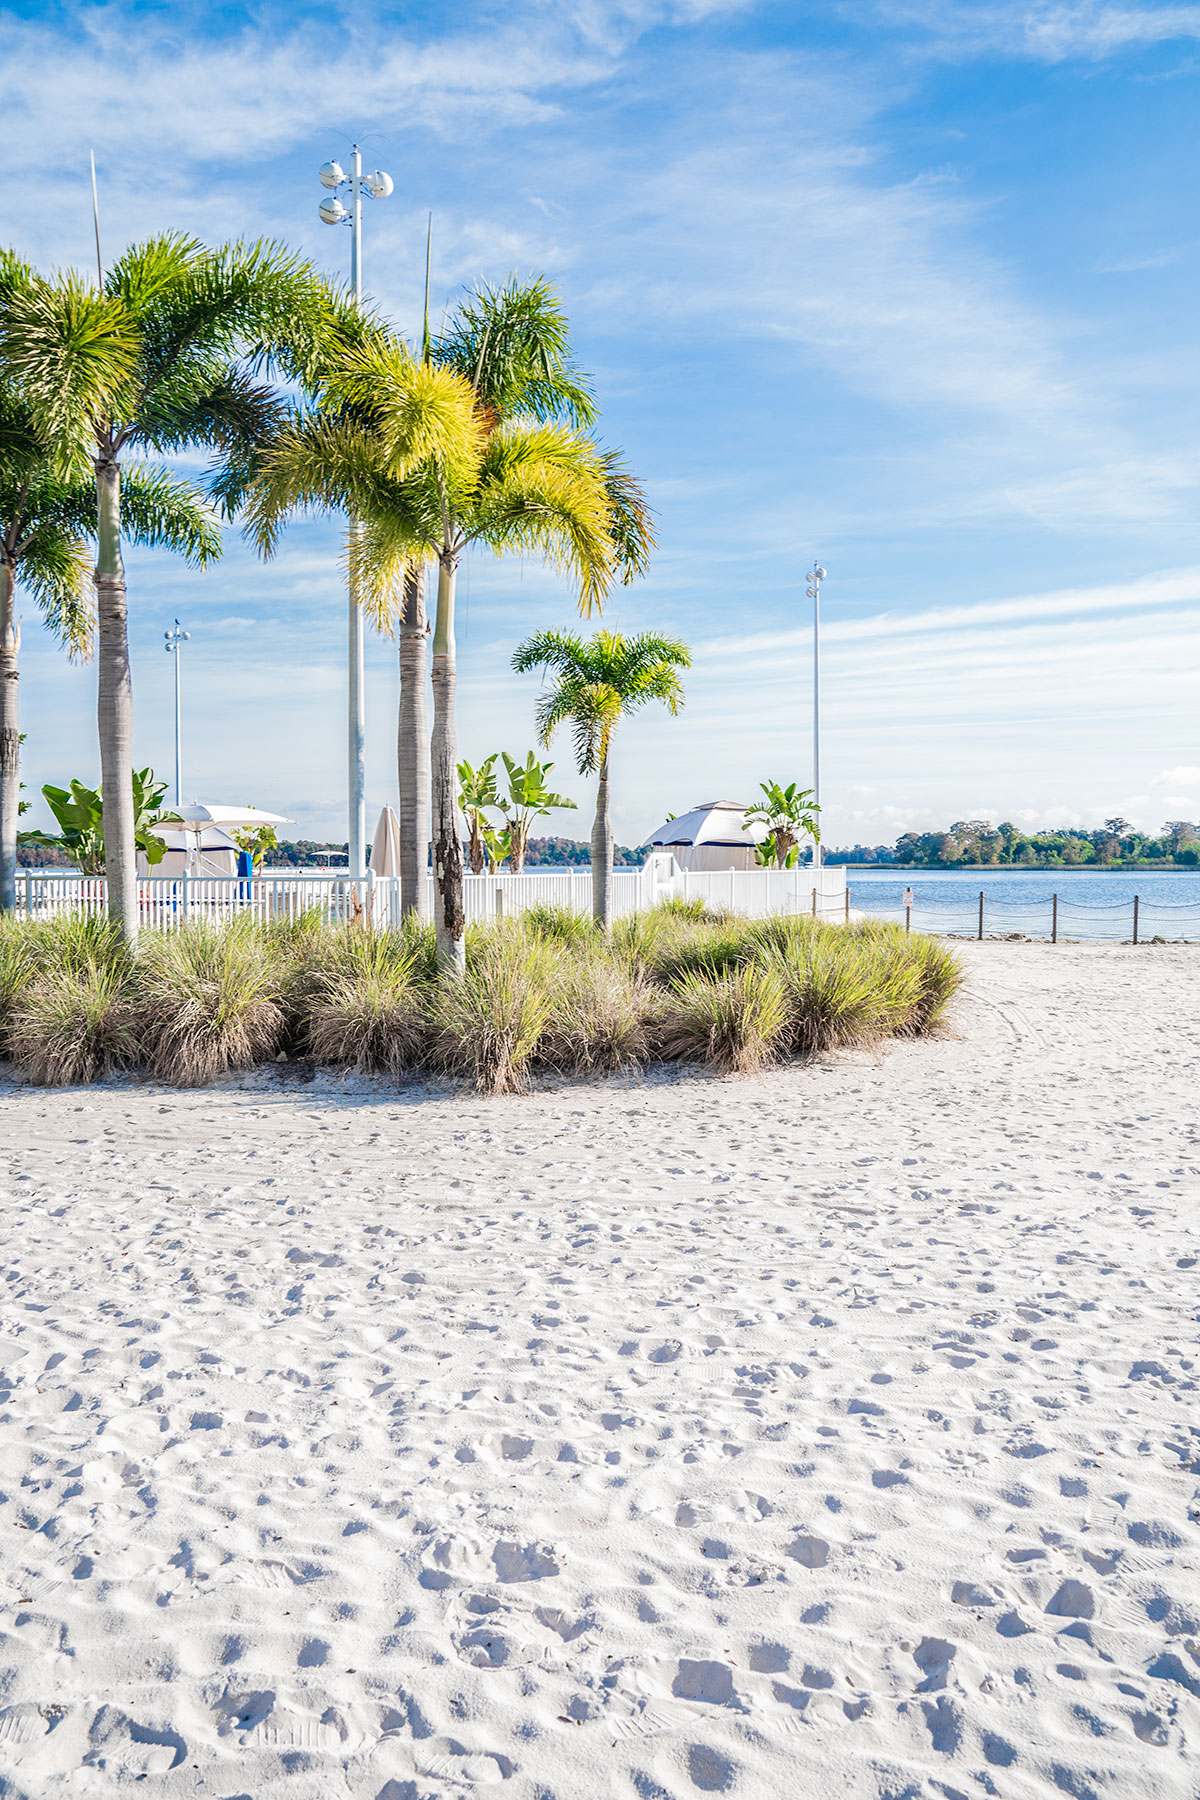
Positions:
(908, 285)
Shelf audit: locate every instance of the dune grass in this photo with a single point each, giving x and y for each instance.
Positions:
(545, 991)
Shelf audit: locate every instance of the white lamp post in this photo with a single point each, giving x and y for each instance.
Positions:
(816, 576)
(377, 186)
(176, 639)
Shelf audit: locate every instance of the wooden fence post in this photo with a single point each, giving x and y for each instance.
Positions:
(981, 915)
(847, 903)
(1135, 918)
(1054, 920)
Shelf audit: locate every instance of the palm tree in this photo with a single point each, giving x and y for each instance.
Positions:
(435, 454)
(541, 488)
(166, 356)
(47, 529)
(597, 683)
(379, 425)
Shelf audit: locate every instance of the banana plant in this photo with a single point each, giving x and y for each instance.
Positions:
(476, 793)
(80, 814)
(496, 846)
(528, 798)
(787, 812)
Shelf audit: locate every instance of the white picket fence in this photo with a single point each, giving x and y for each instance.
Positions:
(166, 901)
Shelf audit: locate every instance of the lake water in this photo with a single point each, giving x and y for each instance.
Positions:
(1094, 905)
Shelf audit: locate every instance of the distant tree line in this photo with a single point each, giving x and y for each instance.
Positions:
(541, 852)
(1115, 844)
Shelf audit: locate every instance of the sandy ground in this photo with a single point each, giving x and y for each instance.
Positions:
(831, 1433)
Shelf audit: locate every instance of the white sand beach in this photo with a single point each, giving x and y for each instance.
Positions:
(828, 1433)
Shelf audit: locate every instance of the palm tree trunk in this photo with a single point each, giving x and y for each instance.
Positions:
(602, 852)
(10, 738)
(412, 749)
(114, 707)
(449, 923)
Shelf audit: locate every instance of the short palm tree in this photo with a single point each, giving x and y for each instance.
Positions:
(596, 684)
(48, 530)
(167, 356)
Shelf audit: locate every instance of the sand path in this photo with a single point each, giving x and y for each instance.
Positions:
(831, 1433)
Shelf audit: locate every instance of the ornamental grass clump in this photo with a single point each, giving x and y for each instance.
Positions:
(735, 1022)
(601, 1018)
(365, 1003)
(489, 1021)
(843, 991)
(209, 999)
(560, 925)
(941, 976)
(16, 969)
(74, 1024)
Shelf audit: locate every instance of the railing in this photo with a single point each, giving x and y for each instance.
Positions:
(167, 901)
(1138, 920)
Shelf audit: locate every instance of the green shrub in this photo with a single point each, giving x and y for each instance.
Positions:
(209, 999)
(735, 1022)
(488, 1021)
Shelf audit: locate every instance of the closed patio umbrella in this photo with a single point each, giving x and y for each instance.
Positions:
(385, 845)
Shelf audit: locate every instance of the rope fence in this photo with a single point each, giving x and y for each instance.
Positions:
(1137, 920)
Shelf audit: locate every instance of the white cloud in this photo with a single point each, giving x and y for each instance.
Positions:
(1046, 31)
(1180, 777)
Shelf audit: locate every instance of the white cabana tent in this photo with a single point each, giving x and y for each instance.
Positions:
(715, 835)
(212, 852)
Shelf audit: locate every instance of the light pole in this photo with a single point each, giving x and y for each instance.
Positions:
(176, 639)
(816, 576)
(377, 186)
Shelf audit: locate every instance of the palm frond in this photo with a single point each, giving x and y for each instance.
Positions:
(56, 567)
(74, 354)
(419, 412)
(630, 519)
(598, 681)
(164, 512)
(513, 345)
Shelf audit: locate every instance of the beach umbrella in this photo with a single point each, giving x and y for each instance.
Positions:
(193, 821)
(225, 818)
(385, 845)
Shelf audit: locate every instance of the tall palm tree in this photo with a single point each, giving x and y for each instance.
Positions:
(430, 461)
(596, 684)
(48, 527)
(542, 488)
(168, 356)
(379, 425)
